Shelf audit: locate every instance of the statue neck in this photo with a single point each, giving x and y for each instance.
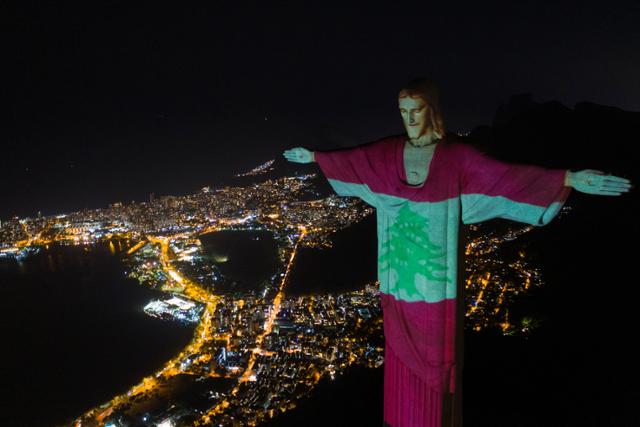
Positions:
(428, 138)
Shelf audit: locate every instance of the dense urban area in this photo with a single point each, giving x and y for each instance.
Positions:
(268, 347)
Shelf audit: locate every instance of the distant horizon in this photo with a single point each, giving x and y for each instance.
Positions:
(190, 182)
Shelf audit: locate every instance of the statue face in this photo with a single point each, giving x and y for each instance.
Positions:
(415, 115)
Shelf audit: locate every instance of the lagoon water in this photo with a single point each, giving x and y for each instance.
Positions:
(75, 334)
(245, 257)
(249, 257)
(347, 266)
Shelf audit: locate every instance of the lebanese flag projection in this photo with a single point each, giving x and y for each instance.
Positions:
(418, 254)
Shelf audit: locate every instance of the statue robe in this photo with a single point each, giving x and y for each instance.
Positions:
(418, 251)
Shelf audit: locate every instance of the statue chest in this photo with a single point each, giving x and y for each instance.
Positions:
(416, 163)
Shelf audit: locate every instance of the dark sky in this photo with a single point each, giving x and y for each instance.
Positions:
(116, 86)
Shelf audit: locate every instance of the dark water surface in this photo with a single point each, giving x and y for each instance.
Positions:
(245, 257)
(349, 265)
(74, 333)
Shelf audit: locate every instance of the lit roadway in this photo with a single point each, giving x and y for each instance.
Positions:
(203, 334)
(268, 324)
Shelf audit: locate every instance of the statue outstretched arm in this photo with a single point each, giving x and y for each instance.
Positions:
(348, 171)
(299, 155)
(592, 181)
(490, 188)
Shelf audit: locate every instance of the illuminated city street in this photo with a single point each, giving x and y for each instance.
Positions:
(274, 348)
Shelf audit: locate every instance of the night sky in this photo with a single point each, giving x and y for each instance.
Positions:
(113, 100)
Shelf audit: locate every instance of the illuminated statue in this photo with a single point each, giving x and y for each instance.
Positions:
(422, 184)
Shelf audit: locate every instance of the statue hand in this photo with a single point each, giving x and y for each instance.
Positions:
(592, 181)
(299, 155)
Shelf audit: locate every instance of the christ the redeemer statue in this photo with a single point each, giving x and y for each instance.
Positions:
(422, 185)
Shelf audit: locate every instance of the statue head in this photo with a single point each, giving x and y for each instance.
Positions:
(419, 106)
